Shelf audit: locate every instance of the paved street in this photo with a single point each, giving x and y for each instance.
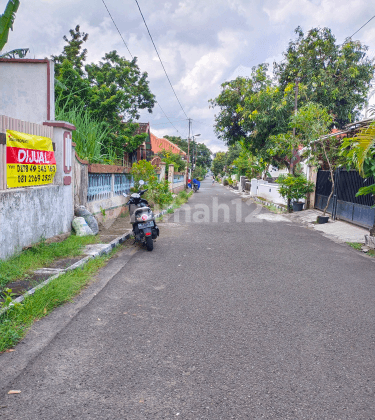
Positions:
(232, 316)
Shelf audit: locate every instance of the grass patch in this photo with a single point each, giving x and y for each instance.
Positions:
(41, 255)
(355, 245)
(16, 321)
(358, 246)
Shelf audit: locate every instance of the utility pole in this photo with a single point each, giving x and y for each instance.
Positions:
(188, 154)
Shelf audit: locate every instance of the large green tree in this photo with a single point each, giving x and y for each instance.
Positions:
(253, 110)
(256, 111)
(335, 76)
(113, 90)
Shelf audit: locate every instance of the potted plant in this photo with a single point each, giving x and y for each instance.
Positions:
(293, 188)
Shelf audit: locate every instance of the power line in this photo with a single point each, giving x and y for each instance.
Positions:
(132, 57)
(362, 26)
(168, 118)
(117, 28)
(140, 11)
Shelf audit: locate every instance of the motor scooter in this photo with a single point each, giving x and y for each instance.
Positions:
(142, 218)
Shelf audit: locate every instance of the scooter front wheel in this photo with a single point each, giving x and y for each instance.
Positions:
(149, 243)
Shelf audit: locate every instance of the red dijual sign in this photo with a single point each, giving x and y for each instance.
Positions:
(30, 160)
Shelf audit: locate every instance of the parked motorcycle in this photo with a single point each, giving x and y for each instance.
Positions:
(196, 185)
(142, 218)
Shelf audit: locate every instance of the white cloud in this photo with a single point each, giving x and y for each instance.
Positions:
(202, 43)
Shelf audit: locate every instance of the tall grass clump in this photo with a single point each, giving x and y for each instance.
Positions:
(90, 134)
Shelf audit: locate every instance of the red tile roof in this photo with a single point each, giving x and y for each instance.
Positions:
(157, 145)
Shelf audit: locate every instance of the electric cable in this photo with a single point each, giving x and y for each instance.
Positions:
(362, 26)
(117, 28)
(132, 57)
(161, 62)
(168, 118)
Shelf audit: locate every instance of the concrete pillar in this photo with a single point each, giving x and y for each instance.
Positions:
(62, 137)
(254, 187)
(310, 199)
(162, 171)
(171, 176)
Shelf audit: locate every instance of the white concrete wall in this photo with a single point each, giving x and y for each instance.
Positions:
(266, 190)
(24, 90)
(276, 172)
(29, 214)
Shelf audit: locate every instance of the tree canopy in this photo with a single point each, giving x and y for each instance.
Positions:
(256, 111)
(113, 90)
(200, 150)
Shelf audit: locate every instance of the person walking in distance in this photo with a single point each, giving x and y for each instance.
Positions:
(213, 180)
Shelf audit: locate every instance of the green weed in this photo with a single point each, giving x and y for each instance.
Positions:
(355, 245)
(41, 255)
(16, 321)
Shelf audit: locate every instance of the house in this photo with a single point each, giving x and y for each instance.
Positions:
(151, 146)
(159, 144)
(143, 152)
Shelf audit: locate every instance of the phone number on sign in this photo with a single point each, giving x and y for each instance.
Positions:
(36, 168)
(34, 178)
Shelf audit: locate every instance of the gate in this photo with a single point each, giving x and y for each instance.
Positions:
(344, 204)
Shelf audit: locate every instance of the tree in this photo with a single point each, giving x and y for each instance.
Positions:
(218, 164)
(200, 150)
(172, 159)
(72, 52)
(252, 111)
(314, 122)
(335, 76)
(114, 91)
(7, 20)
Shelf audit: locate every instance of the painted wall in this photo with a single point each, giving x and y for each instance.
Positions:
(266, 190)
(27, 89)
(29, 214)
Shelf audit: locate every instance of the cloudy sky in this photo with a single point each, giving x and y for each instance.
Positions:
(201, 42)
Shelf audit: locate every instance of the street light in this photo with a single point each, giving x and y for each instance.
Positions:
(194, 163)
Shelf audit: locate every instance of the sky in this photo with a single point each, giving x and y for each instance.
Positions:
(202, 43)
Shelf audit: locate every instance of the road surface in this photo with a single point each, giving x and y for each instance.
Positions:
(236, 314)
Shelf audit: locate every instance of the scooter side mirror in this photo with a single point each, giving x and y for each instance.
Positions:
(125, 195)
(141, 182)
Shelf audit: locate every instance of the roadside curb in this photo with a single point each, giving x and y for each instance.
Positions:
(267, 203)
(104, 250)
(163, 212)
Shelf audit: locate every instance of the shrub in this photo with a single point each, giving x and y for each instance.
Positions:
(294, 187)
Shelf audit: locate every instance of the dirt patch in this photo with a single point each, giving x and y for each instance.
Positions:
(64, 262)
(110, 231)
(19, 287)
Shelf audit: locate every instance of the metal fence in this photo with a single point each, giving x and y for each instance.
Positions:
(344, 204)
(178, 179)
(100, 187)
(122, 184)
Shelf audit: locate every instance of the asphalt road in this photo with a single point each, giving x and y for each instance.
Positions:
(232, 316)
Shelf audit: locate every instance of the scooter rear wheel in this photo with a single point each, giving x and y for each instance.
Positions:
(149, 243)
